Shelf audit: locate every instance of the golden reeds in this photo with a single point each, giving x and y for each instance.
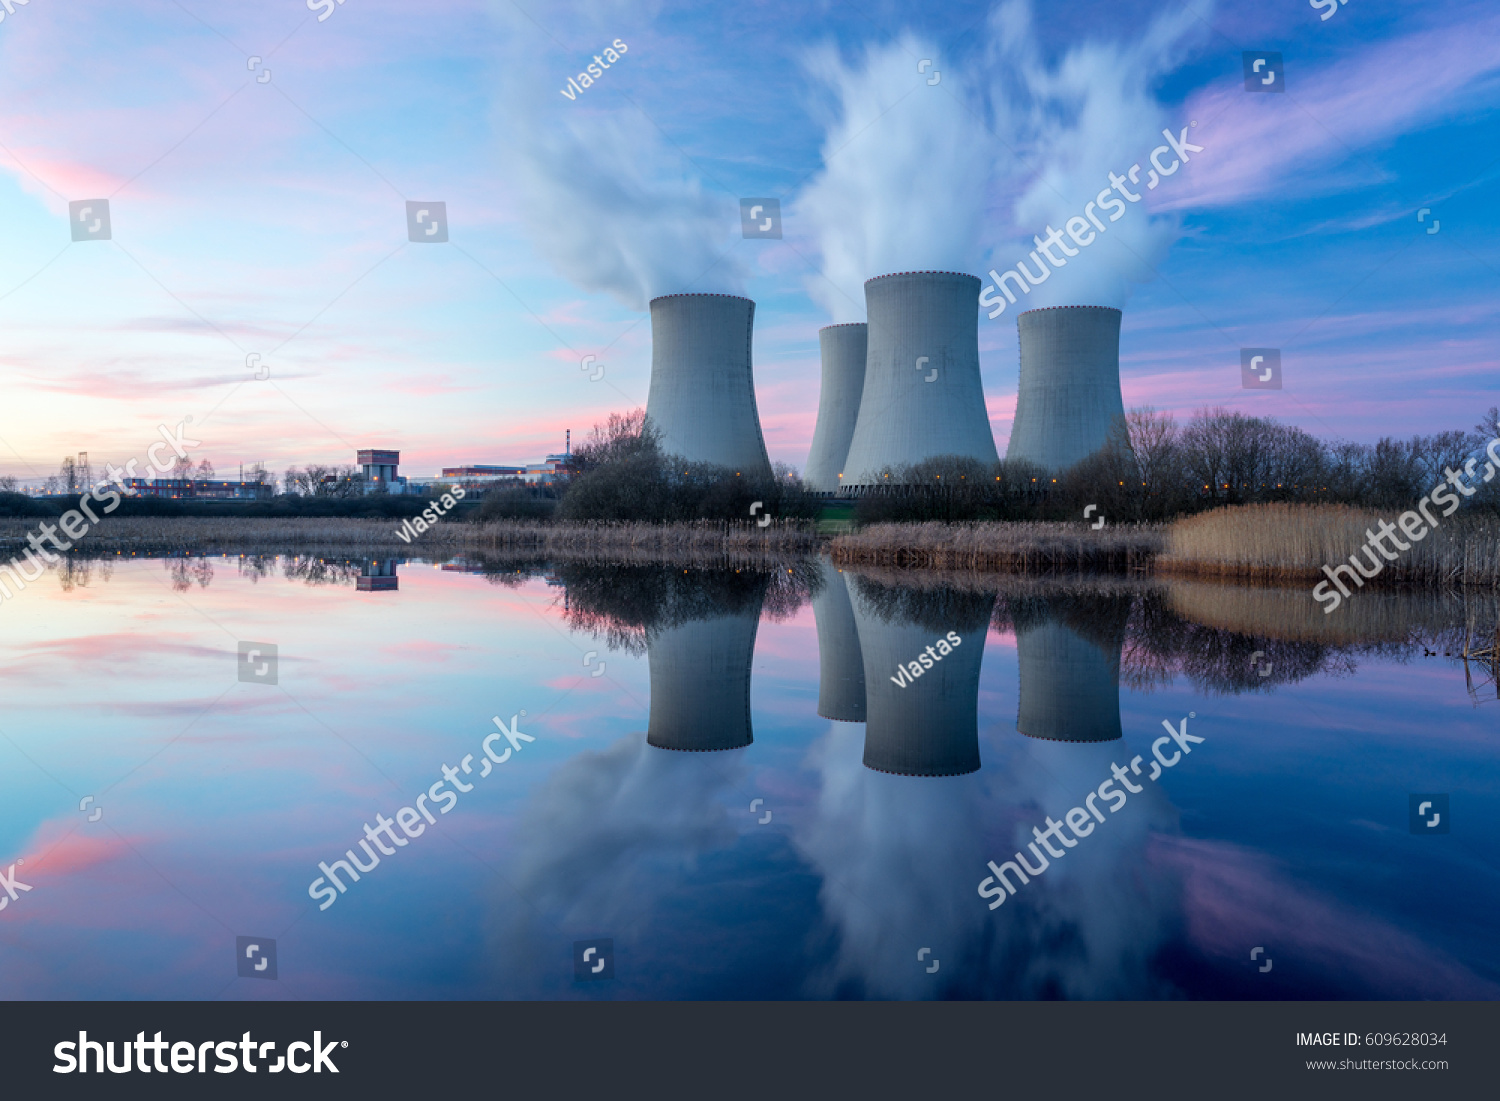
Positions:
(1000, 546)
(1285, 543)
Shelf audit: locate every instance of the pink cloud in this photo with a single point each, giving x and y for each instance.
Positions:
(1253, 144)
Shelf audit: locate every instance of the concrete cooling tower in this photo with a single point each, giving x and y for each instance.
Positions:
(841, 668)
(928, 726)
(1069, 394)
(922, 395)
(700, 682)
(1069, 686)
(843, 348)
(702, 394)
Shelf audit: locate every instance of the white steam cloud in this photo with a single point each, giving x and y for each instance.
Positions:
(961, 175)
(607, 201)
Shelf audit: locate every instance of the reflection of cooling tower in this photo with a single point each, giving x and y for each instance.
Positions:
(924, 325)
(844, 348)
(931, 726)
(841, 669)
(702, 394)
(1070, 687)
(700, 682)
(1069, 393)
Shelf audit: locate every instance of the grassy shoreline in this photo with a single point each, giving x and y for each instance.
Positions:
(1274, 545)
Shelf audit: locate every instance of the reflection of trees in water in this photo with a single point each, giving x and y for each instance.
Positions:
(186, 570)
(76, 571)
(626, 605)
(934, 609)
(1222, 646)
(315, 570)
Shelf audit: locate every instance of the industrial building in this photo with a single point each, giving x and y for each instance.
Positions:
(378, 576)
(702, 393)
(843, 349)
(379, 468)
(198, 489)
(1069, 394)
(922, 394)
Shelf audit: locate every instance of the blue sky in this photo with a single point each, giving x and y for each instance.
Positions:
(268, 217)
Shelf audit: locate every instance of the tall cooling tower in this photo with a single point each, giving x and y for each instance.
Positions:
(841, 669)
(700, 682)
(930, 725)
(922, 395)
(844, 348)
(702, 394)
(1069, 393)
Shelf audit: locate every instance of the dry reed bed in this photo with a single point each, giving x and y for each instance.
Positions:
(1292, 543)
(1000, 546)
(701, 541)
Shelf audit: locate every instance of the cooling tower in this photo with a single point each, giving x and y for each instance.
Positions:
(841, 668)
(1069, 394)
(922, 394)
(1069, 685)
(700, 682)
(924, 725)
(843, 348)
(702, 394)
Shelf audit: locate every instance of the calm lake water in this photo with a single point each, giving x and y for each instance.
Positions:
(727, 794)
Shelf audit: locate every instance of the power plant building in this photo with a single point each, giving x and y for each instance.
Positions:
(1069, 393)
(922, 394)
(843, 348)
(702, 394)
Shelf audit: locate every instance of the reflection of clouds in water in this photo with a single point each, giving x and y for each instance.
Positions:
(1234, 899)
(600, 845)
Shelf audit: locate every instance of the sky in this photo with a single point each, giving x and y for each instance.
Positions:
(259, 278)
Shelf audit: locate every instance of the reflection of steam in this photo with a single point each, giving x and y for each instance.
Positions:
(896, 856)
(597, 836)
(900, 858)
(841, 670)
(1091, 923)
